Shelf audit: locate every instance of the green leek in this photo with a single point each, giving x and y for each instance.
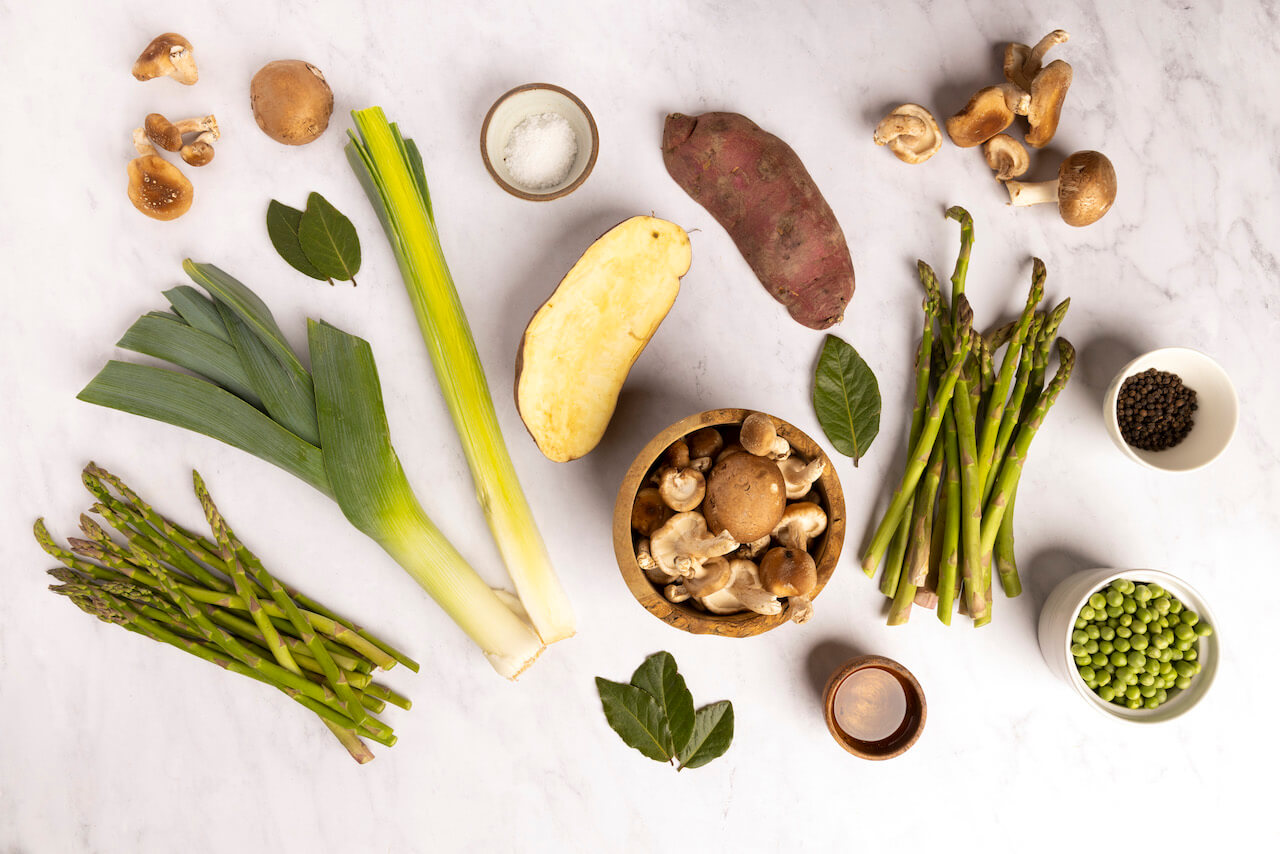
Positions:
(327, 427)
(391, 171)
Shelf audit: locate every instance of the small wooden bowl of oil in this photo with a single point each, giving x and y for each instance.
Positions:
(874, 707)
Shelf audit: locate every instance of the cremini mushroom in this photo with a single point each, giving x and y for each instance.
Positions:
(168, 135)
(729, 450)
(800, 524)
(799, 476)
(911, 133)
(714, 575)
(1084, 190)
(1022, 63)
(1006, 156)
(682, 488)
(759, 436)
(744, 593)
(745, 496)
(168, 55)
(988, 112)
(683, 542)
(1048, 92)
(199, 152)
(156, 186)
(291, 101)
(791, 574)
(648, 511)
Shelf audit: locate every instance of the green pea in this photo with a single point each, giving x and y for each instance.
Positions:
(1183, 682)
(1133, 704)
(1190, 655)
(1087, 673)
(1161, 605)
(1151, 703)
(1123, 632)
(1138, 642)
(1153, 666)
(1078, 650)
(1121, 644)
(1098, 659)
(1138, 627)
(1125, 620)
(1204, 629)
(1092, 632)
(1082, 660)
(1078, 636)
(1146, 680)
(1175, 606)
(1184, 632)
(1166, 668)
(1103, 677)
(1080, 623)
(1189, 617)
(1086, 614)
(1147, 691)
(1091, 646)
(1132, 692)
(1124, 674)
(1106, 632)
(1119, 659)
(1156, 590)
(1184, 645)
(1098, 601)
(1107, 693)
(1174, 654)
(1142, 593)
(1162, 623)
(1185, 668)
(1114, 597)
(1129, 606)
(1106, 647)
(1146, 615)
(1114, 610)
(1162, 695)
(1126, 586)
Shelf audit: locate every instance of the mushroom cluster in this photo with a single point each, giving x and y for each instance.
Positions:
(728, 522)
(1086, 185)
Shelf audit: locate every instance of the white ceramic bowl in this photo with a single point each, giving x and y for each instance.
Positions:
(1215, 419)
(1057, 621)
(519, 104)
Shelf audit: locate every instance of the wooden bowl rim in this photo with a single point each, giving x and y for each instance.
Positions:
(861, 662)
(525, 194)
(686, 617)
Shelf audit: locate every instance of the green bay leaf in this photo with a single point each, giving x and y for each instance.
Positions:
(659, 678)
(329, 240)
(636, 718)
(846, 398)
(282, 227)
(712, 735)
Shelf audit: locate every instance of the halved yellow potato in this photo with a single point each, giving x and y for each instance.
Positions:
(580, 345)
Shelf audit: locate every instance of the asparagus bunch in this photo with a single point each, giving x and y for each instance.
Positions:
(951, 519)
(213, 598)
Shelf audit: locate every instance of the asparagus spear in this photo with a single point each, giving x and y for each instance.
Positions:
(1013, 410)
(917, 566)
(1006, 566)
(949, 558)
(919, 458)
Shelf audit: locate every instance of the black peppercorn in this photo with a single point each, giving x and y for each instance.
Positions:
(1154, 410)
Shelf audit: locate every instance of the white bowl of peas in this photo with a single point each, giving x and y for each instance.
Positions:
(1136, 644)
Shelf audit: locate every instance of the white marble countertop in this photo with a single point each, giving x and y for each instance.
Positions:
(113, 744)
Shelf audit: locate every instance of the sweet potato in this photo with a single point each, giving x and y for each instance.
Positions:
(581, 344)
(757, 188)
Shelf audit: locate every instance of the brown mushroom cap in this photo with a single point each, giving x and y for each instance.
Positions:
(198, 152)
(168, 55)
(1086, 187)
(648, 512)
(291, 101)
(788, 572)
(158, 188)
(706, 442)
(746, 496)
(1022, 63)
(988, 112)
(1048, 92)
(162, 132)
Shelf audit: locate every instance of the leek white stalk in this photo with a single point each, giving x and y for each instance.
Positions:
(390, 169)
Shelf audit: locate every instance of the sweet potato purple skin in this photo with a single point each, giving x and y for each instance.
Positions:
(757, 188)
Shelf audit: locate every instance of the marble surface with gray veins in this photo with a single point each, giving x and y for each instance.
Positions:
(114, 744)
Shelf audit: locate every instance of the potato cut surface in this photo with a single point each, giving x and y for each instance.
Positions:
(580, 345)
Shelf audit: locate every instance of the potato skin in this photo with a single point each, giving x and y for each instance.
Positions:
(757, 188)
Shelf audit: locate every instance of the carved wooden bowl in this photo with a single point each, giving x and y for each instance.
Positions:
(686, 615)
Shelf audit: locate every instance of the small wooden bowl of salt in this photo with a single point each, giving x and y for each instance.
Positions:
(539, 142)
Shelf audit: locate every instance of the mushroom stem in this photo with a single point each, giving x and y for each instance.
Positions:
(1036, 57)
(1022, 193)
(202, 125)
(141, 143)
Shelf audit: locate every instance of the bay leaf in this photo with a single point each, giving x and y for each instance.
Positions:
(636, 717)
(282, 227)
(659, 678)
(712, 735)
(329, 240)
(846, 398)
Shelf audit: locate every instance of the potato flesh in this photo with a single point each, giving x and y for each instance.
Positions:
(582, 342)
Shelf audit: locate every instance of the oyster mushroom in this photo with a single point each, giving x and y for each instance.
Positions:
(168, 55)
(759, 436)
(682, 488)
(1084, 190)
(745, 497)
(1006, 156)
(683, 544)
(798, 475)
(911, 133)
(156, 186)
(988, 112)
(744, 593)
(790, 574)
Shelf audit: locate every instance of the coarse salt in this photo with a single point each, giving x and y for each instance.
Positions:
(540, 151)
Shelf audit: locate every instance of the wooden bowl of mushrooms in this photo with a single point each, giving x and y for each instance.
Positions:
(729, 522)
